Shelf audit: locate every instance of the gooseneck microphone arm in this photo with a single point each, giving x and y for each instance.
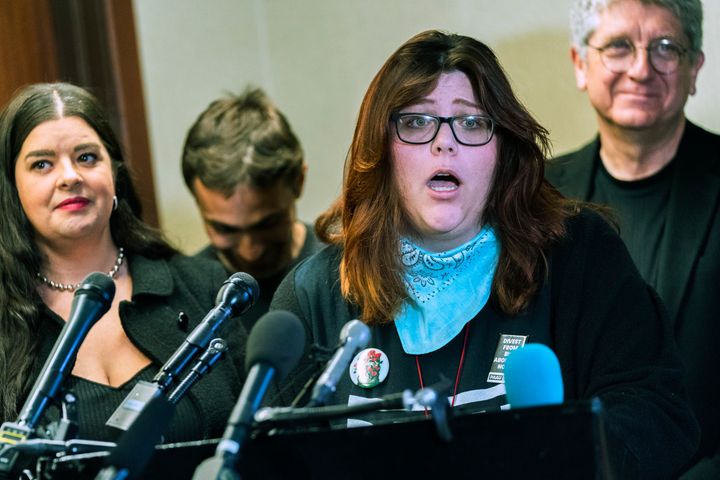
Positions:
(433, 396)
(203, 365)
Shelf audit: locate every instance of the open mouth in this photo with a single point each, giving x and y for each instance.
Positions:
(443, 182)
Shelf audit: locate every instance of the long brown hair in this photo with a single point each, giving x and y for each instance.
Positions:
(526, 212)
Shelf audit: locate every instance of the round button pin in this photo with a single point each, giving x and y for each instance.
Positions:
(369, 368)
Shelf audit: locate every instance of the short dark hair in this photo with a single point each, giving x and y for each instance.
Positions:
(242, 139)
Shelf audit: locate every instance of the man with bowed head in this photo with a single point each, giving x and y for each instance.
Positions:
(638, 61)
(447, 241)
(245, 167)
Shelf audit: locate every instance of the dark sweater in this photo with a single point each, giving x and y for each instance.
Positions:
(161, 290)
(606, 325)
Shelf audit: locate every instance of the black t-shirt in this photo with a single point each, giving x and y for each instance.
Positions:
(641, 207)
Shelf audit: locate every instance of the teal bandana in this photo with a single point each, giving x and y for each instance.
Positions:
(446, 289)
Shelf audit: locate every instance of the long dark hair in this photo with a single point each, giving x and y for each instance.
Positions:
(526, 212)
(20, 259)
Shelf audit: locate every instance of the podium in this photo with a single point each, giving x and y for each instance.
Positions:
(563, 441)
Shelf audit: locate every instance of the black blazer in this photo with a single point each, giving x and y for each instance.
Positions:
(689, 270)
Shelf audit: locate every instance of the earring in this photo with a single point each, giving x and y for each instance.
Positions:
(115, 203)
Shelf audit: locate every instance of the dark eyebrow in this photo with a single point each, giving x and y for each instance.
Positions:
(40, 153)
(458, 101)
(86, 146)
(461, 101)
(51, 153)
(224, 226)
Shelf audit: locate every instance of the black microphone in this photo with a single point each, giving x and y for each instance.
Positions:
(354, 336)
(92, 300)
(235, 297)
(274, 347)
(237, 294)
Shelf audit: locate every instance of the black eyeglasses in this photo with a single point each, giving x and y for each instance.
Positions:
(664, 55)
(420, 128)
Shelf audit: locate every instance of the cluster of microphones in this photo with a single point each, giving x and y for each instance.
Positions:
(275, 346)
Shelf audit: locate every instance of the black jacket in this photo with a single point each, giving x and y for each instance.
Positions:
(689, 270)
(161, 290)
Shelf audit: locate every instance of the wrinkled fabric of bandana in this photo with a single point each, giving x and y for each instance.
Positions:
(446, 289)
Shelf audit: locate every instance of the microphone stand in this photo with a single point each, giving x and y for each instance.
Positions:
(273, 417)
(432, 397)
(67, 426)
(18, 448)
(210, 356)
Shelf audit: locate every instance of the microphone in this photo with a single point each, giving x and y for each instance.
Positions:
(237, 294)
(354, 336)
(91, 301)
(532, 377)
(235, 297)
(274, 347)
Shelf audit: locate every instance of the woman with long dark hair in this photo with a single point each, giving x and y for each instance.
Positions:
(447, 241)
(69, 208)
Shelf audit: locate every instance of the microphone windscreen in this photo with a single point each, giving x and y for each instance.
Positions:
(356, 333)
(532, 377)
(238, 292)
(278, 339)
(98, 285)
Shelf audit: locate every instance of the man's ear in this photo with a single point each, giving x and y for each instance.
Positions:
(300, 182)
(694, 71)
(580, 68)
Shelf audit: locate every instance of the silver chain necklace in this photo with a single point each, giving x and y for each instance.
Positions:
(72, 287)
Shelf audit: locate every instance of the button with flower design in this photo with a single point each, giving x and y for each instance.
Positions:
(369, 368)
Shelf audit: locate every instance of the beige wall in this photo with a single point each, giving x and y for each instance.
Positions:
(317, 57)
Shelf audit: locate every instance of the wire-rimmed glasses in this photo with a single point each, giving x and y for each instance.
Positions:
(619, 55)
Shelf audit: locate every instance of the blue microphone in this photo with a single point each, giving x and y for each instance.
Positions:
(532, 377)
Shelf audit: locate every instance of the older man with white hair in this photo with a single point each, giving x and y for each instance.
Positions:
(638, 61)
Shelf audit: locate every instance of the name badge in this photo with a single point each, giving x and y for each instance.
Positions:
(506, 344)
